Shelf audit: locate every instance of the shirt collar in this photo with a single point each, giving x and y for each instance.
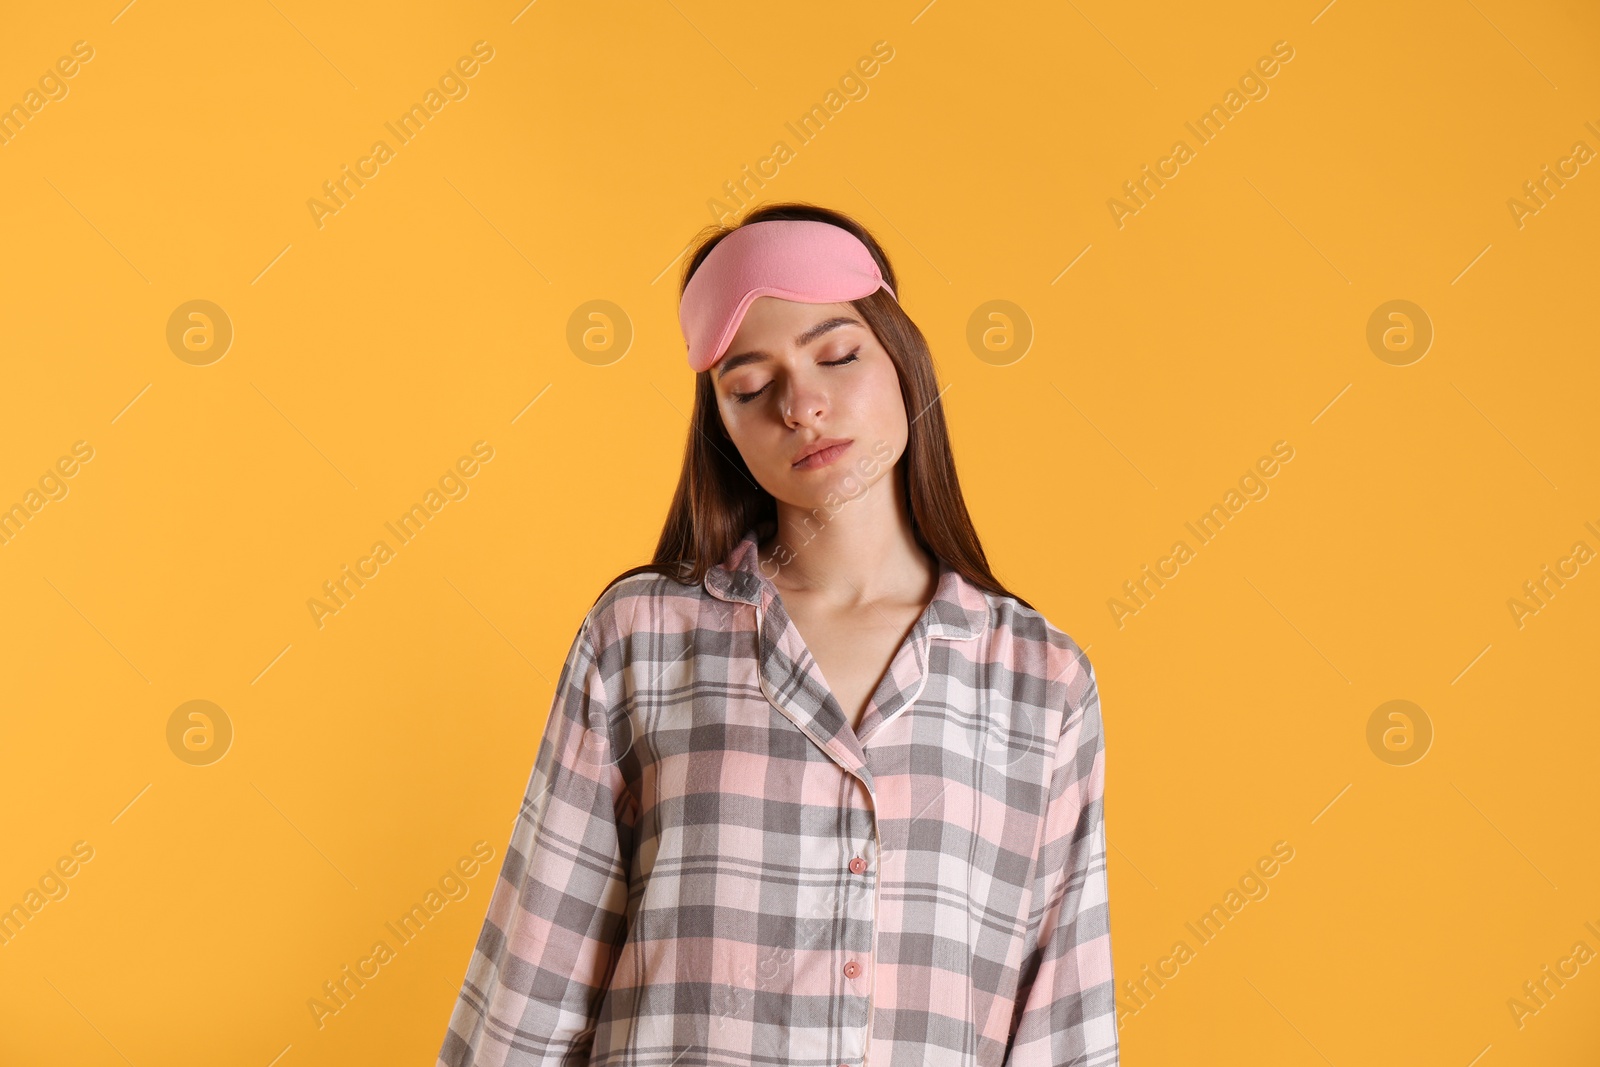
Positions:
(959, 610)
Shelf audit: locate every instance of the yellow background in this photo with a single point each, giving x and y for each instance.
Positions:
(370, 753)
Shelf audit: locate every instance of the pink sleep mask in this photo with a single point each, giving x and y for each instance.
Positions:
(793, 259)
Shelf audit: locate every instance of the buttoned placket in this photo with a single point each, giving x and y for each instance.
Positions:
(844, 747)
(853, 757)
(860, 771)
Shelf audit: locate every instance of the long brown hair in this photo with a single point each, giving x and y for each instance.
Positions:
(717, 498)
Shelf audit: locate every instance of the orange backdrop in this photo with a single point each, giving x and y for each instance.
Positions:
(341, 370)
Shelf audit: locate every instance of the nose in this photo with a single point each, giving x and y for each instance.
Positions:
(803, 400)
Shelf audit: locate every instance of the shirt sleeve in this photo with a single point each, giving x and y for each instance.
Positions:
(557, 917)
(1065, 1007)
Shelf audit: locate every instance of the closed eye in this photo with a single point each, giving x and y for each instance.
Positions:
(852, 357)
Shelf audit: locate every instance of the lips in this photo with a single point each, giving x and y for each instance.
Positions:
(821, 452)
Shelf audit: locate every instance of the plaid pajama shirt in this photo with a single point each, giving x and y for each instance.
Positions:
(711, 868)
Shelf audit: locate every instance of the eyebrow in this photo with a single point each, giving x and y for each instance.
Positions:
(801, 340)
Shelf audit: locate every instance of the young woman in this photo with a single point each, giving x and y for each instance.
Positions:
(815, 788)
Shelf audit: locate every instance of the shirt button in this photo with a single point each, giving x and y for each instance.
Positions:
(852, 969)
(857, 865)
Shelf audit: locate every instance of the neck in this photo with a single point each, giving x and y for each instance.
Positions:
(861, 552)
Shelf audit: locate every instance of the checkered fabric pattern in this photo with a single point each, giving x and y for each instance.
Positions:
(711, 868)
